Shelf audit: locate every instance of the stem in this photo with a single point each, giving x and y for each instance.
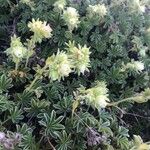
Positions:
(27, 60)
(36, 78)
(121, 101)
(33, 82)
(5, 121)
(82, 121)
(51, 144)
(16, 66)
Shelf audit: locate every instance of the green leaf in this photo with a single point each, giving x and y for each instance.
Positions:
(64, 141)
(51, 123)
(5, 83)
(16, 114)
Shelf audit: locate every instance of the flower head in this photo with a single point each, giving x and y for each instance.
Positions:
(80, 57)
(41, 29)
(136, 6)
(96, 96)
(59, 66)
(71, 17)
(136, 66)
(17, 49)
(138, 144)
(60, 5)
(97, 10)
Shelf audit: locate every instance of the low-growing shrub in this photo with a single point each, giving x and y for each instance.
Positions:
(74, 74)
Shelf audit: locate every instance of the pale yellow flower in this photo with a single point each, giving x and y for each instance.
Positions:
(71, 18)
(41, 29)
(97, 10)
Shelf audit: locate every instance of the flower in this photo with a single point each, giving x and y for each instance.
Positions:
(41, 29)
(96, 96)
(135, 65)
(138, 144)
(2, 136)
(80, 57)
(97, 10)
(19, 52)
(17, 49)
(136, 6)
(71, 17)
(59, 66)
(60, 4)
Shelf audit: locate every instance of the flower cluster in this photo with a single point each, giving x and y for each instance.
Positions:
(96, 96)
(16, 50)
(9, 142)
(136, 66)
(96, 10)
(139, 144)
(59, 66)
(71, 17)
(143, 97)
(60, 5)
(41, 30)
(136, 6)
(80, 57)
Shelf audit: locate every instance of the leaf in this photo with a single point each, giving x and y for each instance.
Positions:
(64, 141)
(16, 114)
(5, 83)
(5, 104)
(51, 123)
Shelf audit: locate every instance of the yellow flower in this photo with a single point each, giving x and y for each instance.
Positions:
(17, 50)
(41, 29)
(80, 56)
(98, 10)
(60, 4)
(59, 66)
(96, 96)
(134, 66)
(71, 17)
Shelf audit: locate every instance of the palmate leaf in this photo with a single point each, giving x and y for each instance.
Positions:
(82, 119)
(5, 83)
(28, 140)
(64, 141)
(16, 114)
(64, 105)
(5, 104)
(37, 106)
(24, 97)
(123, 143)
(51, 123)
(122, 138)
(104, 127)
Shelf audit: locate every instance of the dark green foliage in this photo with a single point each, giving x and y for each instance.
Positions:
(43, 115)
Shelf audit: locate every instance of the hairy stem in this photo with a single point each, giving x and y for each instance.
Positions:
(33, 82)
(16, 66)
(121, 101)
